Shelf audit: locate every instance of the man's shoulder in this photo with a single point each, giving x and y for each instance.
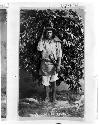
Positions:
(56, 39)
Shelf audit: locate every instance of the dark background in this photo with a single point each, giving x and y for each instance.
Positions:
(69, 25)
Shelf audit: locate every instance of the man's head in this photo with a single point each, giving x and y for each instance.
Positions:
(49, 33)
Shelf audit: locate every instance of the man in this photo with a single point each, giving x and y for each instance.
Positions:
(50, 46)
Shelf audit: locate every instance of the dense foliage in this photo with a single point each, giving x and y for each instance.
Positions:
(69, 28)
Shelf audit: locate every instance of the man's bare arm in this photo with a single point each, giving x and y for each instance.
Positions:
(59, 61)
(58, 64)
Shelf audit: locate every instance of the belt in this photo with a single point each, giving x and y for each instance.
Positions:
(46, 60)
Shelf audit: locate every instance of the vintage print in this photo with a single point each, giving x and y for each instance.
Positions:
(51, 62)
(3, 42)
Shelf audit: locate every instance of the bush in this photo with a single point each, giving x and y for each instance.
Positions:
(69, 28)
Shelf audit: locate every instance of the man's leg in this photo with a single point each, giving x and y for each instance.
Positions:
(54, 91)
(47, 93)
(45, 82)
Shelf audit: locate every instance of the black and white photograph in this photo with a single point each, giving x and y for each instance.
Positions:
(51, 62)
(3, 54)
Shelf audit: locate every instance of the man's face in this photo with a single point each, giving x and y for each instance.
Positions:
(49, 34)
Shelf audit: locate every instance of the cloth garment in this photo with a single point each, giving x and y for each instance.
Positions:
(51, 49)
(47, 68)
(47, 79)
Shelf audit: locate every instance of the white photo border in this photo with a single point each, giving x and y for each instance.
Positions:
(13, 30)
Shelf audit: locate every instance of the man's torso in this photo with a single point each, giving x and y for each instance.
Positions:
(49, 49)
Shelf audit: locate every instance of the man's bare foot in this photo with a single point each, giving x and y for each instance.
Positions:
(47, 100)
(54, 101)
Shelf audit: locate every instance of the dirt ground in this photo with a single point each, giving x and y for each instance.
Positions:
(67, 105)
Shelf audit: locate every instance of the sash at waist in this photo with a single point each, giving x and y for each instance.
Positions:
(46, 60)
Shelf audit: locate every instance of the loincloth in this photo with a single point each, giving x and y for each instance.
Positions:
(47, 68)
